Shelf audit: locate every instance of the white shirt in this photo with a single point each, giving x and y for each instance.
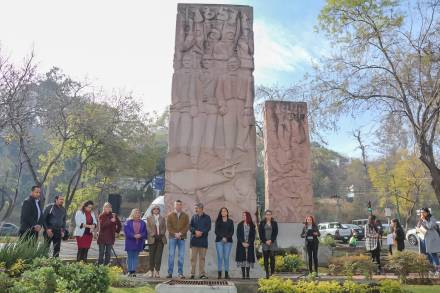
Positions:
(156, 222)
(38, 208)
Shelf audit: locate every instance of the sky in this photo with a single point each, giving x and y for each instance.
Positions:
(127, 46)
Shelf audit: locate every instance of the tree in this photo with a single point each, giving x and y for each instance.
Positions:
(400, 180)
(386, 59)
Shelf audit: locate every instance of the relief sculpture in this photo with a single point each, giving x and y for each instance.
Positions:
(212, 156)
(287, 161)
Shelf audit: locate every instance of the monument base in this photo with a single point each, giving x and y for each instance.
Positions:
(289, 235)
(210, 261)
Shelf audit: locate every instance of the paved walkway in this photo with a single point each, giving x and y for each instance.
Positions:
(69, 249)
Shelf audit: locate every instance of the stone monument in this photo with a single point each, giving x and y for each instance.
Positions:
(212, 150)
(287, 167)
(212, 156)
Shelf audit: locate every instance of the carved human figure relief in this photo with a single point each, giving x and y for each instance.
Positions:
(287, 160)
(212, 155)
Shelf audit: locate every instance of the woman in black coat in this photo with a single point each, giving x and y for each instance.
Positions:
(398, 234)
(311, 233)
(268, 231)
(245, 253)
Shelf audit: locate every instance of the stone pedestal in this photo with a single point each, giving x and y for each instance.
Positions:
(211, 261)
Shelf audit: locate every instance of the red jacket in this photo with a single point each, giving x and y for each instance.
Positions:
(108, 229)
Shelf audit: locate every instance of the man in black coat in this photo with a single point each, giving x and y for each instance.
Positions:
(31, 218)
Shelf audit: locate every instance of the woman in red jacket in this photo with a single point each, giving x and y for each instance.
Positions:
(109, 225)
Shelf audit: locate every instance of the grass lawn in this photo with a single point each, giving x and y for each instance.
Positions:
(424, 289)
(144, 289)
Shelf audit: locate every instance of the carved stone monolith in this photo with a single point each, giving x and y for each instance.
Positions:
(212, 156)
(287, 165)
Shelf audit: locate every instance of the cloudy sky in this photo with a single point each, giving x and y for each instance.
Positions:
(128, 45)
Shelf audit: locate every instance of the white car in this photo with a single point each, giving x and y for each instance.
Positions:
(335, 230)
(412, 238)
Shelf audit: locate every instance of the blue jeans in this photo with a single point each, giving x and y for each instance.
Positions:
(223, 252)
(432, 257)
(172, 244)
(132, 260)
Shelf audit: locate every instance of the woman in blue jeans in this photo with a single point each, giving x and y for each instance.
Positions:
(428, 233)
(224, 230)
(135, 234)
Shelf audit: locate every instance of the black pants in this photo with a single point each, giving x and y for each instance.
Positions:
(105, 251)
(312, 252)
(269, 255)
(82, 254)
(56, 240)
(155, 250)
(375, 255)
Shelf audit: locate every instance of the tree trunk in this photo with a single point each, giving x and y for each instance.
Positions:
(427, 157)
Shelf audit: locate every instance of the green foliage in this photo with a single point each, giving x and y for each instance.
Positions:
(328, 240)
(275, 285)
(406, 262)
(286, 263)
(24, 250)
(42, 279)
(53, 275)
(352, 265)
(279, 285)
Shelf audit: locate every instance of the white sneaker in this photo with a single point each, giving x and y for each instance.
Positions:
(156, 274)
(149, 274)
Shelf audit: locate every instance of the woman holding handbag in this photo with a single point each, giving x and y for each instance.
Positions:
(156, 240)
(429, 237)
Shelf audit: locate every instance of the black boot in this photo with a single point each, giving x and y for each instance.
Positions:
(227, 275)
(220, 275)
(243, 272)
(247, 273)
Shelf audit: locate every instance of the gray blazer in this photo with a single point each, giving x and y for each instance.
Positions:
(432, 238)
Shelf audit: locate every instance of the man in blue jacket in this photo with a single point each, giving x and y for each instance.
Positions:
(199, 226)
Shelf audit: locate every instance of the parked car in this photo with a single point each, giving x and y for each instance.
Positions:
(360, 233)
(411, 236)
(8, 229)
(360, 222)
(335, 230)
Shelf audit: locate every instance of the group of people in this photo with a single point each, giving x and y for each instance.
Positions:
(154, 230)
(176, 225)
(428, 233)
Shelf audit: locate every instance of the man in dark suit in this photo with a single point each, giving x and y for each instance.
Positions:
(31, 218)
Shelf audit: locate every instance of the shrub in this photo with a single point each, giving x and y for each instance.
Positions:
(406, 262)
(6, 282)
(85, 277)
(352, 265)
(114, 274)
(390, 286)
(286, 263)
(278, 285)
(275, 285)
(24, 249)
(328, 241)
(38, 280)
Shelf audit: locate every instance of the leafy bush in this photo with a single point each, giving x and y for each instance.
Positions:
(85, 277)
(352, 265)
(406, 262)
(25, 249)
(328, 241)
(115, 274)
(286, 263)
(41, 279)
(6, 281)
(275, 285)
(279, 285)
